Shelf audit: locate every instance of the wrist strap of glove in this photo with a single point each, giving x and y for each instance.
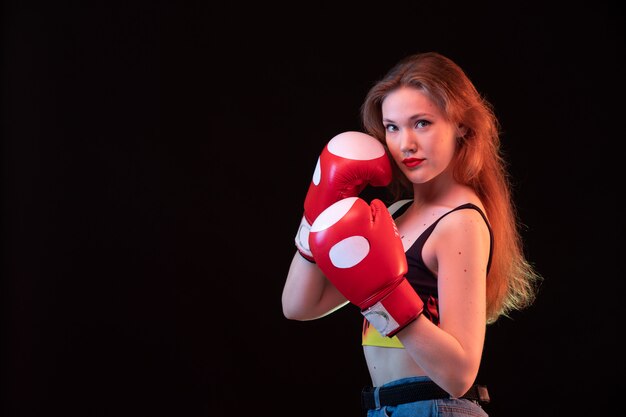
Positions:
(302, 240)
(396, 310)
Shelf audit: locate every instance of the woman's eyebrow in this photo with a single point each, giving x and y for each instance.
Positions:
(415, 116)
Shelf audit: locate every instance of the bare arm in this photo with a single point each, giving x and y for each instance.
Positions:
(307, 294)
(450, 353)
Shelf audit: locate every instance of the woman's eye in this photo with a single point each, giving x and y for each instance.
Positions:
(422, 123)
(391, 128)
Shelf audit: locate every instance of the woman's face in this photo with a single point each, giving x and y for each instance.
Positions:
(420, 139)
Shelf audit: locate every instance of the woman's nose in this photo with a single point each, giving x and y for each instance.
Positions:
(408, 142)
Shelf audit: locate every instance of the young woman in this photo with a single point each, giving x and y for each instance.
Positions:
(461, 250)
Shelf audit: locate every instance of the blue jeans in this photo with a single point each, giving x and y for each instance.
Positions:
(451, 407)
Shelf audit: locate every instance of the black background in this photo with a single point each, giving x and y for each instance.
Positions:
(155, 160)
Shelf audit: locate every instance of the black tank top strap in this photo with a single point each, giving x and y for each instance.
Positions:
(421, 240)
(430, 229)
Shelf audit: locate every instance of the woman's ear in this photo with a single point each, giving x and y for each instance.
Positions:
(461, 130)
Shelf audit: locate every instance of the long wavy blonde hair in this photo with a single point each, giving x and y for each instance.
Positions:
(512, 282)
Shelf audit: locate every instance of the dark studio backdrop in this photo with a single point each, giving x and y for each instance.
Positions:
(155, 159)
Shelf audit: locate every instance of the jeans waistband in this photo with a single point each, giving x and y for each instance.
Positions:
(377, 397)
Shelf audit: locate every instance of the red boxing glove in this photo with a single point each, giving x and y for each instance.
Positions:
(358, 248)
(348, 163)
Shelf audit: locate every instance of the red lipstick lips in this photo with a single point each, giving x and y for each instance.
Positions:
(412, 162)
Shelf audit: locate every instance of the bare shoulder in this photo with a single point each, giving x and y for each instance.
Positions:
(464, 221)
(461, 243)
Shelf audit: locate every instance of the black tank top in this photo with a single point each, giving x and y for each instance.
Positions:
(419, 276)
